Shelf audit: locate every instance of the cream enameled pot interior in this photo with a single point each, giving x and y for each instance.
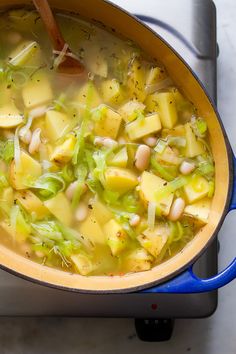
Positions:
(129, 27)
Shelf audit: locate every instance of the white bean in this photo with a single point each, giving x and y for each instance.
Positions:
(142, 157)
(35, 141)
(150, 141)
(177, 209)
(121, 141)
(26, 137)
(72, 188)
(186, 167)
(134, 220)
(81, 212)
(109, 143)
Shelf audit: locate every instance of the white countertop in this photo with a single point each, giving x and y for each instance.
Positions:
(215, 335)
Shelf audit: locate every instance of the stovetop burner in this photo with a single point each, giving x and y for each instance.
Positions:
(190, 27)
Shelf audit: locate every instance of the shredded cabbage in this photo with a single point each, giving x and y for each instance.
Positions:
(18, 222)
(7, 150)
(49, 184)
(171, 187)
(151, 214)
(199, 126)
(81, 175)
(161, 170)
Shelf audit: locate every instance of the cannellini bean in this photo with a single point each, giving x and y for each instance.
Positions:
(121, 140)
(35, 141)
(110, 143)
(176, 209)
(142, 157)
(81, 212)
(98, 141)
(150, 141)
(72, 188)
(26, 137)
(134, 220)
(186, 167)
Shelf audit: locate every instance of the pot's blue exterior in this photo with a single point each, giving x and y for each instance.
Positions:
(187, 282)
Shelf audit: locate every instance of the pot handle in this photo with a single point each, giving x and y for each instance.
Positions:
(188, 282)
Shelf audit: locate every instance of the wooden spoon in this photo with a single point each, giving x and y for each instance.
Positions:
(70, 64)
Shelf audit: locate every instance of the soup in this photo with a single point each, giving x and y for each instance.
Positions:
(109, 173)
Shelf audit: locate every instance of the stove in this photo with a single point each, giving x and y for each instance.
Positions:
(190, 27)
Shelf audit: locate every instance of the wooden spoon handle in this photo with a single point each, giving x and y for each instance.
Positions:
(50, 23)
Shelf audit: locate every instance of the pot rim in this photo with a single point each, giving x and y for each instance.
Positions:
(164, 279)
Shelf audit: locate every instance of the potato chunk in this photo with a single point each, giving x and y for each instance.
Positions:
(193, 146)
(142, 127)
(37, 91)
(100, 212)
(10, 116)
(130, 110)
(109, 124)
(28, 168)
(154, 240)
(111, 91)
(199, 210)
(32, 204)
(151, 183)
(167, 109)
(64, 152)
(91, 229)
(120, 179)
(60, 207)
(88, 94)
(55, 124)
(82, 263)
(120, 159)
(138, 260)
(116, 237)
(136, 80)
(196, 189)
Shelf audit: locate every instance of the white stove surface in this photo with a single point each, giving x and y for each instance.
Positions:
(215, 335)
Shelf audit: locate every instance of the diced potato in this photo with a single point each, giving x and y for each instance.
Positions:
(109, 124)
(196, 189)
(88, 94)
(154, 75)
(130, 110)
(28, 168)
(32, 204)
(120, 179)
(116, 237)
(151, 103)
(60, 207)
(24, 52)
(91, 229)
(179, 130)
(120, 159)
(169, 156)
(83, 263)
(64, 152)
(111, 91)
(199, 210)
(136, 81)
(151, 183)
(10, 231)
(153, 240)
(142, 127)
(100, 212)
(138, 260)
(55, 124)
(10, 116)
(37, 91)
(167, 109)
(7, 196)
(193, 146)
